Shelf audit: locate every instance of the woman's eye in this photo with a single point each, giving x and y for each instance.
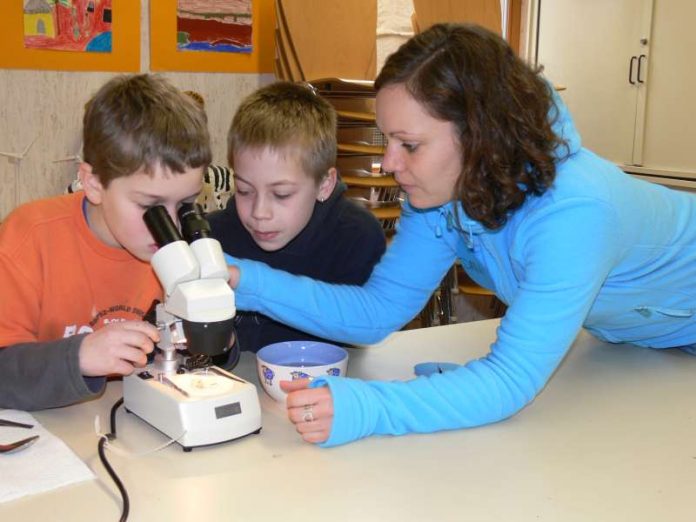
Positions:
(282, 196)
(410, 147)
(241, 192)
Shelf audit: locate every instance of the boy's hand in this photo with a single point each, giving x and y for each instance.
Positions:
(117, 348)
(309, 409)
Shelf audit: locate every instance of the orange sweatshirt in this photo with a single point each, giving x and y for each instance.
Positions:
(58, 279)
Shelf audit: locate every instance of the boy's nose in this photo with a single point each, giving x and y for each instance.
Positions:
(172, 211)
(261, 208)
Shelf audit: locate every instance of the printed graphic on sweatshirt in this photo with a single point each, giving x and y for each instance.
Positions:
(113, 314)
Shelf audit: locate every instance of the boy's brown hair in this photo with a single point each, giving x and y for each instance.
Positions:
(140, 121)
(284, 116)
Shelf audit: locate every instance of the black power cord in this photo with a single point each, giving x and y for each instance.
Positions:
(102, 456)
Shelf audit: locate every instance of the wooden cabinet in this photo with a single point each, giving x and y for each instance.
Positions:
(628, 68)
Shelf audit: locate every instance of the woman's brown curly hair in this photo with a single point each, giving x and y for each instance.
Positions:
(500, 106)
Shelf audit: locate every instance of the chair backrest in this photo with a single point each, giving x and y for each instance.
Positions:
(327, 39)
(360, 147)
(379, 193)
(483, 12)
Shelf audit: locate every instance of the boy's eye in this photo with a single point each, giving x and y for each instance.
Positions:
(241, 192)
(410, 147)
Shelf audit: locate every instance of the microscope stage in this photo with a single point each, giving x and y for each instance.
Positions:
(196, 408)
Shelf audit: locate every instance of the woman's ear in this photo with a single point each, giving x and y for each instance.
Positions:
(90, 183)
(327, 184)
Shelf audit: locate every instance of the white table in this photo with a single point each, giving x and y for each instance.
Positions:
(611, 438)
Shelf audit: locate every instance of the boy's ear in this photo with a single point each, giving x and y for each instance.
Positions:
(327, 184)
(90, 183)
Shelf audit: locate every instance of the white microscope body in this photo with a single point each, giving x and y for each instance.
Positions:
(194, 406)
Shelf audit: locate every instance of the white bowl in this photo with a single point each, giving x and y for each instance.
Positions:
(292, 360)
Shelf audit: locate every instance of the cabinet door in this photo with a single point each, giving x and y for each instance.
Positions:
(590, 47)
(670, 120)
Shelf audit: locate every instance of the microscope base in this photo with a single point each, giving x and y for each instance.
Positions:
(195, 408)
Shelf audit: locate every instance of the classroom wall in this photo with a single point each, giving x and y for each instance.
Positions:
(47, 105)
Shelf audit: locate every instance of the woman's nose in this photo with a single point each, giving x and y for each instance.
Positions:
(391, 161)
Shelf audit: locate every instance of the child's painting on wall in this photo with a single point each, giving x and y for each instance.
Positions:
(68, 25)
(214, 25)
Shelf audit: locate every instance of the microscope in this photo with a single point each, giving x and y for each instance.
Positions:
(180, 392)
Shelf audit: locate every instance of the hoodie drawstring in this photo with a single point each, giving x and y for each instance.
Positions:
(450, 223)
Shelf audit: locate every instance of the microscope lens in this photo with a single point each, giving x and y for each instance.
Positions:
(193, 223)
(161, 226)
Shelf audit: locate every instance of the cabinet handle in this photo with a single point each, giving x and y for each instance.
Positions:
(640, 60)
(630, 70)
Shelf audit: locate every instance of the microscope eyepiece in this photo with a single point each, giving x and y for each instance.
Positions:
(161, 226)
(193, 223)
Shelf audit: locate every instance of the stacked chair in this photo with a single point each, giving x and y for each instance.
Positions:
(483, 12)
(325, 39)
(361, 148)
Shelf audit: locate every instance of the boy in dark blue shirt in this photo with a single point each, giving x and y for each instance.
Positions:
(288, 209)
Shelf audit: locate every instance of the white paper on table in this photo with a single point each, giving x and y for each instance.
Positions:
(45, 465)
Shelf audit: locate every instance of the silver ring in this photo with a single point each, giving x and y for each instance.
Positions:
(308, 415)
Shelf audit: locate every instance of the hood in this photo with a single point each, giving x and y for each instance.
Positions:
(562, 124)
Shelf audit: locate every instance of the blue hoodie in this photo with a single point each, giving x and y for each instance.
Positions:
(599, 249)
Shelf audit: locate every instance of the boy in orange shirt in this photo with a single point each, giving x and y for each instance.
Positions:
(74, 269)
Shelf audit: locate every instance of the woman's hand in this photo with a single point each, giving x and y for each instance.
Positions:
(234, 276)
(309, 409)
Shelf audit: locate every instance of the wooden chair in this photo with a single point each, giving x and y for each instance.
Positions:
(379, 193)
(441, 309)
(325, 39)
(466, 286)
(360, 144)
(483, 12)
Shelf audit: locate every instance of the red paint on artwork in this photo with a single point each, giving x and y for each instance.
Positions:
(214, 31)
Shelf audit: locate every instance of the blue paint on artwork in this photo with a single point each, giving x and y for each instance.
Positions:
(100, 43)
(221, 48)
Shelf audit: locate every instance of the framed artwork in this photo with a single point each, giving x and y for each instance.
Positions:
(212, 35)
(71, 35)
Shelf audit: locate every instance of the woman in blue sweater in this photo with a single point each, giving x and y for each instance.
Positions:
(496, 176)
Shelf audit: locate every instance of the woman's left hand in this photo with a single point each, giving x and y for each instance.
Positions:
(309, 409)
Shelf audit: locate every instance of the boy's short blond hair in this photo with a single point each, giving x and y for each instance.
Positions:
(290, 118)
(141, 121)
